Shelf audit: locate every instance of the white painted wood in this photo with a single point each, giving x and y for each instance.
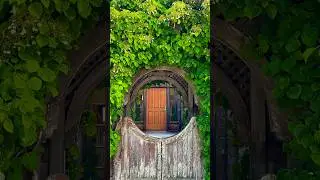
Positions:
(145, 157)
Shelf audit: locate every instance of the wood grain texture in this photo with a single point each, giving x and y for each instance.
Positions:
(144, 157)
(156, 109)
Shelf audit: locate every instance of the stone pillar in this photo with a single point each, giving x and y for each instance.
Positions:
(258, 126)
(56, 154)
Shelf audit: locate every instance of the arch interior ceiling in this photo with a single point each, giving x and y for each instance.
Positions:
(164, 73)
(234, 68)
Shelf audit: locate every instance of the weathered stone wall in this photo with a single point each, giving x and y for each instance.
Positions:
(144, 157)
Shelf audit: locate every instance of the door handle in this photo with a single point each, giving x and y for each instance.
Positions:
(165, 108)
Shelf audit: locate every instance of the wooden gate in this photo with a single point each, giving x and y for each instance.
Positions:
(156, 109)
(142, 157)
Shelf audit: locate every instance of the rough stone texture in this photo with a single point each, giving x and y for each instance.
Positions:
(145, 157)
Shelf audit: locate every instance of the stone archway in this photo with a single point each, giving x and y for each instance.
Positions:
(255, 90)
(172, 75)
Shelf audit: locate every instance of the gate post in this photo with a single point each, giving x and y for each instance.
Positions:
(258, 127)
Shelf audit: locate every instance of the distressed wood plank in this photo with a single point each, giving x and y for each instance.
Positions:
(144, 157)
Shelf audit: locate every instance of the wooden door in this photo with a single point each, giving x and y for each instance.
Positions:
(156, 109)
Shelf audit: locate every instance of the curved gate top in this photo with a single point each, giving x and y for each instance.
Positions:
(144, 157)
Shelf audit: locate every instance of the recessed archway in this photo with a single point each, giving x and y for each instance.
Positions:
(178, 94)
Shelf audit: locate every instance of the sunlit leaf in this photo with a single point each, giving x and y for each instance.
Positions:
(36, 9)
(8, 125)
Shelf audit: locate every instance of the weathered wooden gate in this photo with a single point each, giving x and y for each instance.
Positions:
(148, 158)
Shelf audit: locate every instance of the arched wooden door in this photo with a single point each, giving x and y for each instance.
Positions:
(156, 112)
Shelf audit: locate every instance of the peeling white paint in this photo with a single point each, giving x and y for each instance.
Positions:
(148, 158)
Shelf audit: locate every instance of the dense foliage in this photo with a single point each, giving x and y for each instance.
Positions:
(288, 40)
(151, 33)
(35, 36)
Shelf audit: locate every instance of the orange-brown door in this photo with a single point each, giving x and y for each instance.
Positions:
(156, 109)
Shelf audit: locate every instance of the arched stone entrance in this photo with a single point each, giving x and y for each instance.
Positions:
(175, 78)
(248, 96)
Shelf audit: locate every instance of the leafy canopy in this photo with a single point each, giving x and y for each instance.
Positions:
(151, 33)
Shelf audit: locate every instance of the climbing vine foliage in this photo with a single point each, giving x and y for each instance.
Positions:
(288, 38)
(151, 33)
(35, 36)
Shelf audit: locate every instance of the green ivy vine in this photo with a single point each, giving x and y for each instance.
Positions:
(288, 39)
(35, 36)
(151, 33)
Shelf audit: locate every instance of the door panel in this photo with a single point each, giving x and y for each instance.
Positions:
(156, 109)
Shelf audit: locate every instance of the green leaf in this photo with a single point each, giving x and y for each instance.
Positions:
(263, 44)
(46, 74)
(283, 82)
(29, 138)
(19, 81)
(316, 158)
(306, 93)
(309, 35)
(25, 55)
(46, 3)
(288, 64)
(26, 121)
(52, 42)
(35, 83)
(315, 86)
(17, 173)
(315, 105)
(294, 91)
(307, 53)
(1, 141)
(272, 11)
(292, 45)
(32, 66)
(298, 129)
(84, 8)
(3, 116)
(251, 11)
(53, 90)
(36, 9)
(64, 68)
(274, 66)
(8, 125)
(70, 13)
(96, 3)
(317, 136)
(42, 40)
(44, 28)
(30, 161)
(61, 5)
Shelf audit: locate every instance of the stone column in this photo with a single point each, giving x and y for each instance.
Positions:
(56, 156)
(258, 126)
